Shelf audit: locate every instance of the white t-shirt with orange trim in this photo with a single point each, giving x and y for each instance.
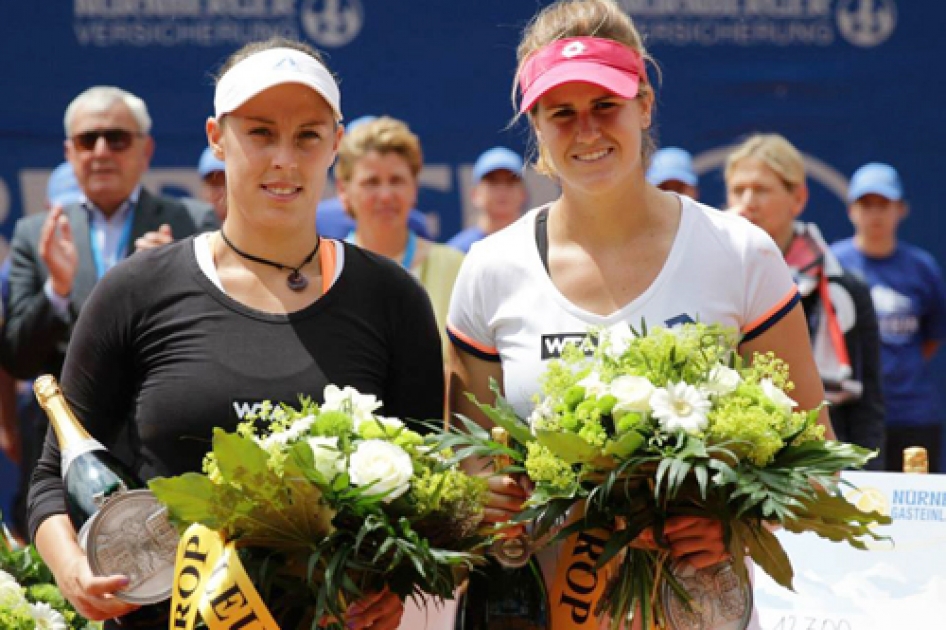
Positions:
(721, 269)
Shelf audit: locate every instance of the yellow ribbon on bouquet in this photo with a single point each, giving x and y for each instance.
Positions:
(577, 587)
(210, 579)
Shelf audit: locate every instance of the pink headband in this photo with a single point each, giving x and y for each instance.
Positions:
(602, 62)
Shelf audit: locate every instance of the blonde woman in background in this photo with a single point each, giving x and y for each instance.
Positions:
(376, 175)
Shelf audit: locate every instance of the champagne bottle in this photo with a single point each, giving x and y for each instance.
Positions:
(89, 472)
(505, 595)
(915, 460)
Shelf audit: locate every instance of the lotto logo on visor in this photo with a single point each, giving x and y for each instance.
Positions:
(270, 68)
(602, 62)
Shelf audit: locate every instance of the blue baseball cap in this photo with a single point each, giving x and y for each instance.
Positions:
(62, 188)
(875, 178)
(358, 122)
(209, 163)
(672, 164)
(496, 159)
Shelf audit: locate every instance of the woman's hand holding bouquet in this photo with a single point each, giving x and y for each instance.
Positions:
(669, 444)
(326, 505)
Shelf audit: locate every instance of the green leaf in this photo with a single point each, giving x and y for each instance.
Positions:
(626, 445)
(190, 498)
(503, 415)
(571, 447)
(767, 552)
(240, 460)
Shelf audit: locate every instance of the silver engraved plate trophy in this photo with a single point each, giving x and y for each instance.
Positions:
(720, 599)
(131, 535)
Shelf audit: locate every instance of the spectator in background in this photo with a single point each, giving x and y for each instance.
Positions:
(671, 169)
(22, 422)
(499, 195)
(57, 257)
(765, 183)
(910, 300)
(213, 182)
(376, 175)
(333, 221)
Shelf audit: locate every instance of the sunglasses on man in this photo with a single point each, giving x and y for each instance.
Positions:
(115, 139)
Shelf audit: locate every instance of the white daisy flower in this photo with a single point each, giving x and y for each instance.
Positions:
(680, 407)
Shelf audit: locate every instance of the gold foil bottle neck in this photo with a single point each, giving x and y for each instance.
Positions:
(915, 460)
(69, 431)
(46, 387)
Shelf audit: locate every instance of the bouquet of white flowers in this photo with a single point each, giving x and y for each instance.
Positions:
(637, 427)
(29, 598)
(320, 505)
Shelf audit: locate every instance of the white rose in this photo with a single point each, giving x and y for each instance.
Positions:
(6, 578)
(722, 380)
(777, 396)
(348, 400)
(329, 461)
(593, 385)
(619, 340)
(382, 462)
(11, 595)
(47, 618)
(632, 393)
(542, 413)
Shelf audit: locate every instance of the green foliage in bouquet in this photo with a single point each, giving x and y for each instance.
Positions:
(29, 598)
(640, 426)
(328, 502)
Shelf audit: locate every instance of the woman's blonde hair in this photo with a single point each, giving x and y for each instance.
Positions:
(383, 135)
(582, 18)
(776, 152)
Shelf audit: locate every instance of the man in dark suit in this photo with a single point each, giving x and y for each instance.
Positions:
(57, 257)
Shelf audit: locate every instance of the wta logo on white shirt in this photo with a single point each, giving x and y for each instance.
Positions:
(554, 345)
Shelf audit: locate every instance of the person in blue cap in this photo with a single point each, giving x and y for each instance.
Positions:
(499, 195)
(332, 221)
(213, 182)
(22, 422)
(671, 168)
(910, 300)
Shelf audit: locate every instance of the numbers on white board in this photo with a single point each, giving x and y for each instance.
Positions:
(805, 622)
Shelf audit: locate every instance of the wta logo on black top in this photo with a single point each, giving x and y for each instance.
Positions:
(553, 345)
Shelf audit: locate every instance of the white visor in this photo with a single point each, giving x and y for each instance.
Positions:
(270, 68)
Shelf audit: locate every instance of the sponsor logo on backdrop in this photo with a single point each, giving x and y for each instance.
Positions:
(812, 23)
(170, 23)
(867, 23)
(332, 23)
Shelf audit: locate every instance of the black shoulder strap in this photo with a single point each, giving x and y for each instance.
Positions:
(542, 236)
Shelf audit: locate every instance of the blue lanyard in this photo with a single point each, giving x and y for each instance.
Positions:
(408, 258)
(120, 251)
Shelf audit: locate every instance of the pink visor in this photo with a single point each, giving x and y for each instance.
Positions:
(602, 62)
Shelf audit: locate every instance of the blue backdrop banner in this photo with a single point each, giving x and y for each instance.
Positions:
(847, 81)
